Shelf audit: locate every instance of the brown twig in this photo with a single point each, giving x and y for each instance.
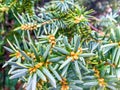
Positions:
(93, 28)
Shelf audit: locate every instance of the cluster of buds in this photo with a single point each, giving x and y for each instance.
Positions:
(17, 54)
(75, 55)
(78, 19)
(28, 27)
(100, 80)
(33, 69)
(52, 40)
(31, 55)
(97, 73)
(64, 84)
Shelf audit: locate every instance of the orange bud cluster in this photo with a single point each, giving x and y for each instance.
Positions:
(100, 80)
(52, 40)
(18, 54)
(33, 69)
(29, 27)
(64, 84)
(78, 19)
(97, 73)
(74, 55)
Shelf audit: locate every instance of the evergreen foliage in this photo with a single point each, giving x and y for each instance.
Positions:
(60, 51)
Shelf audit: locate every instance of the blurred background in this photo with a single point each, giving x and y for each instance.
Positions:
(8, 23)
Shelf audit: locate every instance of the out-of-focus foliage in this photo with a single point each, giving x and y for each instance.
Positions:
(9, 84)
(101, 6)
